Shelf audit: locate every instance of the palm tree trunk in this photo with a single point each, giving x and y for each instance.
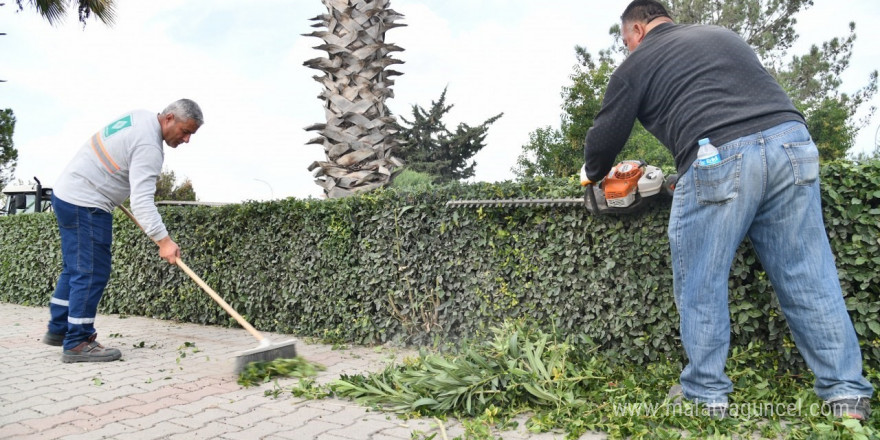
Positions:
(359, 137)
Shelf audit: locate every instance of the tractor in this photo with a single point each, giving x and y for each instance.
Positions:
(24, 199)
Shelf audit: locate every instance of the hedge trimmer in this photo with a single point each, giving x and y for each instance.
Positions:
(624, 190)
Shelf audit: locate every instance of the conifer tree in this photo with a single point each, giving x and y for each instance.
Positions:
(427, 146)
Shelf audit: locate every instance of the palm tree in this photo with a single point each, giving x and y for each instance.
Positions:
(359, 137)
(54, 11)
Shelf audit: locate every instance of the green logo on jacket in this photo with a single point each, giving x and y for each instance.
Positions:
(117, 126)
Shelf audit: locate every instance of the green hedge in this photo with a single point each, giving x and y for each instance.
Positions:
(400, 266)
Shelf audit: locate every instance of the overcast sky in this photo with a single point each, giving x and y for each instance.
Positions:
(243, 63)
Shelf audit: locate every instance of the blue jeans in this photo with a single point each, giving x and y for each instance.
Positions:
(86, 234)
(766, 187)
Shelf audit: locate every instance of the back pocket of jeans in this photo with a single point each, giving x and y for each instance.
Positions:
(804, 157)
(718, 184)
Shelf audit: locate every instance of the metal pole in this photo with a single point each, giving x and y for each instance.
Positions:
(2, 33)
(876, 145)
(270, 188)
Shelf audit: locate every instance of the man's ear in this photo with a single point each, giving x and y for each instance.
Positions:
(167, 118)
(639, 31)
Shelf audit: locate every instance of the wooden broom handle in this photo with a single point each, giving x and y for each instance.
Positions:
(179, 262)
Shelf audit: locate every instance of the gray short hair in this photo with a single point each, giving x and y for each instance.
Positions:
(185, 109)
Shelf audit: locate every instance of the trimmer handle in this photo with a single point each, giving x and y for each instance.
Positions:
(590, 201)
(590, 198)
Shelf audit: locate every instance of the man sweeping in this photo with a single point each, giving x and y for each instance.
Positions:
(122, 160)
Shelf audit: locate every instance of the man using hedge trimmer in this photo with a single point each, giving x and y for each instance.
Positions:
(689, 84)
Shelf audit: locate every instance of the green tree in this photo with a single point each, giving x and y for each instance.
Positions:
(767, 25)
(427, 146)
(560, 152)
(812, 80)
(166, 189)
(548, 154)
(829, 126)
(54, 11)
(8, 153)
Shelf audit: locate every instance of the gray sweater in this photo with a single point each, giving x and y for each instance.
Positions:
(685, 83)
(123, 159)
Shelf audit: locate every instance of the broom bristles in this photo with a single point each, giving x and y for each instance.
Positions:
(281, 350)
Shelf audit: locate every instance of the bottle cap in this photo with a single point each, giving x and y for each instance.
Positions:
(703, 141)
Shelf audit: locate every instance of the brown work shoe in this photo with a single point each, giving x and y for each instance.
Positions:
(90, 351)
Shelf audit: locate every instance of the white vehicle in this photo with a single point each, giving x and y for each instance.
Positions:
(24, 199)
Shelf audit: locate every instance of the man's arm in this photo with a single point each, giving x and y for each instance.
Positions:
(146, 164)
(611, 129)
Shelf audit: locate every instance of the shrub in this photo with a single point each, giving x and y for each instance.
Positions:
(397, 265)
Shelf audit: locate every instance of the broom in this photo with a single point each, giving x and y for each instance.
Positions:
(265, 351)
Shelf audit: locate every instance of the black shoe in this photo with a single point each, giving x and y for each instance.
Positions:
(675, 395)
(858, 408)
(90, 351)
(715, 412)
(53, 339)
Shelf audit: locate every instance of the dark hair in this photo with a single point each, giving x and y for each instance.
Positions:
(643, 10)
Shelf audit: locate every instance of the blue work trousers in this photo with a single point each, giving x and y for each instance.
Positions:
(86, 235)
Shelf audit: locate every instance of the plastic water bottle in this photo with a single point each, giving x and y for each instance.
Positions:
(707, 154)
